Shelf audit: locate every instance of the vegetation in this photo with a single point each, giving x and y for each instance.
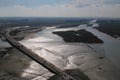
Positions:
(111, 27)
(78, 36)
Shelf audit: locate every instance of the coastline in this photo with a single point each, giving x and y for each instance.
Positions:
(73, 56)
(77, 56)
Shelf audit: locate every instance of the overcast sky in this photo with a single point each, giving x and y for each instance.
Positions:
(60, 8)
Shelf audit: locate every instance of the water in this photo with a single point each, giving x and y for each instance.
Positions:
(111, 45)
(76, 55)
(4, 44)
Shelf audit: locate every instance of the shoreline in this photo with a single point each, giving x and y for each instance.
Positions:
(79, 56)
(83, 58)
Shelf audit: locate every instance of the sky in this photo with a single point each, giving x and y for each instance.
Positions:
(60, 8)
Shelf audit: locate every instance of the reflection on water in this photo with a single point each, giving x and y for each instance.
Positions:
(4, 44)
(87, 57)
(113, 51)
(110, 48)
(111, 45)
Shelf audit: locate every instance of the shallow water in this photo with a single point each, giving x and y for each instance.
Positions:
(74, 55)
(4, 44)
(111, 45)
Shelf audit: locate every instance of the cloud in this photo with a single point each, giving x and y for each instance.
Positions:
(30, 3)
(94, 3)
(45, 11)
(73, 8)
(86, 3)
(111, 1)
(61, 11)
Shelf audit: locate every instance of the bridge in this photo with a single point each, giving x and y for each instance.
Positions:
(52, 68)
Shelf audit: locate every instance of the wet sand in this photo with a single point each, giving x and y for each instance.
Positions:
(72, 55)
(64, 55)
